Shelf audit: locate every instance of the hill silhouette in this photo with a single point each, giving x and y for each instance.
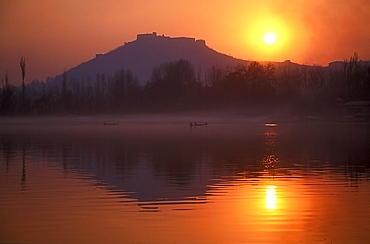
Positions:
(148, 51)
(159, 73)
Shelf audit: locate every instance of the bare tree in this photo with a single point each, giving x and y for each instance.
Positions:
(22, 63)
(6, 100)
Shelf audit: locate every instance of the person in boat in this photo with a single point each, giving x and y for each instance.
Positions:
(198, 124)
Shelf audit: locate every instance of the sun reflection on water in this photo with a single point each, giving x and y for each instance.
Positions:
(271, 159)
(271, 199)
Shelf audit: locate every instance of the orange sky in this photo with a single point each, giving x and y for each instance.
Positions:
(59, 34)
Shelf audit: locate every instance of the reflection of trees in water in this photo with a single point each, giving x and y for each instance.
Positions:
(328, 147)
(9, 151)
(174, 160)
(176, 163)
(23, 180)
(102, 156)
(357, 156)
(179, 159)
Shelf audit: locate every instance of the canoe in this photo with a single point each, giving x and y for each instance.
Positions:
(111, 123)
(198, 124)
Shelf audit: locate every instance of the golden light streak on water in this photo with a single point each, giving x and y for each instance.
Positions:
(271, 199)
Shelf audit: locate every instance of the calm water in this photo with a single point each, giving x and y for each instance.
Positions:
(74, 180)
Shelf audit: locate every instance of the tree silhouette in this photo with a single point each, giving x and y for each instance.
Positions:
(22, 63)
(7, 96)
(356, 81)
(171, 84)
(254, 86)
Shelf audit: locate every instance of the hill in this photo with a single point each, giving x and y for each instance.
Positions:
(150, 50)
(177, 84)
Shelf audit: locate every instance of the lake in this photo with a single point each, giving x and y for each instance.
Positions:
(158, 180)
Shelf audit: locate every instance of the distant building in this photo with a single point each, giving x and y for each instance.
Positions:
(153, 36)
(146, 36)
(357, 110)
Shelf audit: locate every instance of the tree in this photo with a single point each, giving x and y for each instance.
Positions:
(259, 80)
(355, 76)
(214, 76)
(123, 90)
(7, 98)
(171, 84)
(249, 84)
(22, 63)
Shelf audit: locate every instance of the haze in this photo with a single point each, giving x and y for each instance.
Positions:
(57, 35)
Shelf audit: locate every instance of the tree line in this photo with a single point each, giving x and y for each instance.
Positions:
(175, 86)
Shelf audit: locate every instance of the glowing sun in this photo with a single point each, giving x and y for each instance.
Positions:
(270, 38)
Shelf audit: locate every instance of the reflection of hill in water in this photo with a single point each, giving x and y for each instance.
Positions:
(172, 162)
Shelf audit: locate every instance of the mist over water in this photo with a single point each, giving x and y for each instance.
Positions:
(156, 179)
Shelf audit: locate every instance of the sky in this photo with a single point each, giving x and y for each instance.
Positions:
(56, 35)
